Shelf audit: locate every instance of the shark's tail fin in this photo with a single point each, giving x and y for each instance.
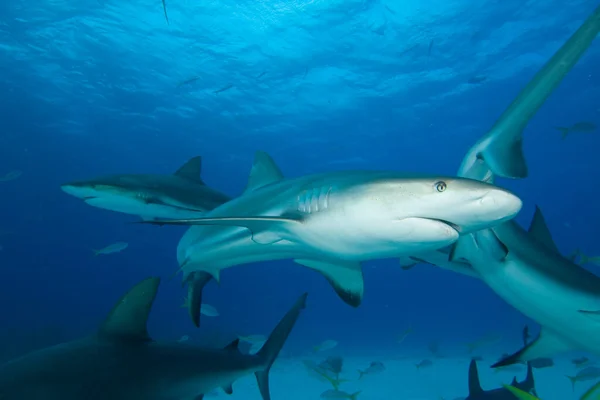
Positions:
(529, 383)
(573, 380)
(564, 131)
(275, 342)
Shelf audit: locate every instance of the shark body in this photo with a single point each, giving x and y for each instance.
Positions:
(121, 362)
(331, 222)
(150, 196)
(477, 393)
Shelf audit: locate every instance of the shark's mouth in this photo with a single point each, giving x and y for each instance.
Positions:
(450, 224)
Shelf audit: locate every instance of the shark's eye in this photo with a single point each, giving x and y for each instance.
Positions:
(440, 186)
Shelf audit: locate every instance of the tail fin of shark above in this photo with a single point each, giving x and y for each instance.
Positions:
(501, 148)
(275, 342)
(191, 170)
(128, 319)
(474, 384)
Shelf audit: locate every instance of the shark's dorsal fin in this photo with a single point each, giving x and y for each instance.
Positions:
(539, 230)
(127, 320)
(474, 385)
(233, 346)
(191, 170)
(264, 171)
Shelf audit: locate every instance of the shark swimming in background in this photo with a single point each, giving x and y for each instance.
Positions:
(121, 362)
(331, 222)
(500, 150)
(149, 196)
(477, 393)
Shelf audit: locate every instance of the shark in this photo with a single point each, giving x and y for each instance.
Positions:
(332, 222)
(121, 361)
(500, 150)
(151, 196)
(477, 393)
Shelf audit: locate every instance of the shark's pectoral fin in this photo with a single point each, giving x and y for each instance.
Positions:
(595, 315)
(463, 248)
(196, 282)
(193, 168)
(506, 158)
(264, 171)
(228, 389)
(546, 344)
(539, 230)
(345, 277)
(127, 320)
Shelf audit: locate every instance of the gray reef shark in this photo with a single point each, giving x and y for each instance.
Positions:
(121, 362)
(477, 393)
(500, 150)
(331, 222)
(180, 195)
(527, 271)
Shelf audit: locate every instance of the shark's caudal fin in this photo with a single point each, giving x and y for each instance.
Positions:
(539, 230)
(275, 342)
(546, 344)
(127, 320)
(501, 148)
(264, 172)
(474, 385)
(191, 170)
(346, 278)
(196, 282)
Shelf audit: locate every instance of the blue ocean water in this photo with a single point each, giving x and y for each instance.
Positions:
(94, 87)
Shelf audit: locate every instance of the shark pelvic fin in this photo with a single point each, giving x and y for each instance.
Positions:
(127, 320)
(539, 230)
(191, 170)
(474, 384)
(463, 248)
(345, 277)
(228, 389)
(546, 344)
(264, 171)
(270, 350)
(196, 282)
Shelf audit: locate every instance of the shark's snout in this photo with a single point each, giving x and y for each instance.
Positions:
(500, 204)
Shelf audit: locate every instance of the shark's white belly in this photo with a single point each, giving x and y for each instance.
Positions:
(362, 236)
(553, 306)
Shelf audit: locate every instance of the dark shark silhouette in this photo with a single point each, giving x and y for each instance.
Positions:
(477, 393)
(121, 362)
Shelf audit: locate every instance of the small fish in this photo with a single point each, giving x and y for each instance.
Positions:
(223, 89)
(581, 127)
(477, 79)
(188, 81)
(165, 11)
(375, 367)
(261, 75)
(333, 364)
(338, 394)
(424, 364)
(184, 338)
(580, 362)
(430, 48)
(322, 374)
(112, 248)
(326, 345)
(208, 310)
(405, 333)
(520, 394)
(583, 258)
(586, 374)
(542, 362)
(11, 176)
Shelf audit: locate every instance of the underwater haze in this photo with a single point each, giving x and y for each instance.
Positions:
(99, 87)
